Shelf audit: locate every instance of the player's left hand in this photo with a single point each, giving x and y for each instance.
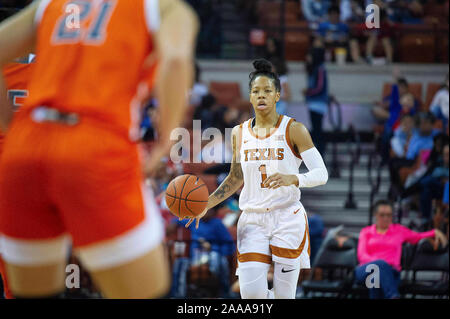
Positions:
(277, 180)
(158, 151)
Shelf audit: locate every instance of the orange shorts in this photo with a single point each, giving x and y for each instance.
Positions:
(80, 183)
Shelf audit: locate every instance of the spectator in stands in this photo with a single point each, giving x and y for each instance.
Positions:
(445, 198)
(370, 37)
(407, 11)
(275, 56)
(352, 11)
(399, 102)
(315, 11)
(381, 244)
(422, 140)
(199, 89)
(225, 117)
(149, 121)
(439, 105)
(431, 186)
(205, 112)
(334, 33)
(316, 234)
(431, 161)
(212, 243)
(402, 135)
(316, 93)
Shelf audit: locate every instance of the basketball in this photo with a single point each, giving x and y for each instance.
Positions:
(186, 196)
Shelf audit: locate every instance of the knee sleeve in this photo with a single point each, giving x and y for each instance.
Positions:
(253, 283)
(285, 280)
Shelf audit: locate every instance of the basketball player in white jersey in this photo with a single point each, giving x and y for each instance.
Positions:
(267, 153)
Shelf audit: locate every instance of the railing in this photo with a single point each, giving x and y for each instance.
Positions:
(336, 124)
(375, 164)
(353, 139)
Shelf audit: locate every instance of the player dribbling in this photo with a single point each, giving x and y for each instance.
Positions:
(267, 153)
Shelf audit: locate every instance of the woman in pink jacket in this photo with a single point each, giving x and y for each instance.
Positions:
(381, 245)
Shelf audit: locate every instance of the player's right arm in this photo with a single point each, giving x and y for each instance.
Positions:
(17, 38)
(175, 46)
(231, 183)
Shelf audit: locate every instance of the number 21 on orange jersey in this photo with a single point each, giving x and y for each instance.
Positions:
(70, 28)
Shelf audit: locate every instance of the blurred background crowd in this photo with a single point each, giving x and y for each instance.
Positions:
(396, 151)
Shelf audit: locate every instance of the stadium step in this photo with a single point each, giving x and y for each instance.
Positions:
(336, 204)
(341, 185)
(328, 201)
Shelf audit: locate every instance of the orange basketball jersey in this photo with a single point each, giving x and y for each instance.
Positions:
(16, 77)
(90, 59)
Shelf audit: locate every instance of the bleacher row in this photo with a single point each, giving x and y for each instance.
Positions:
(229, 94)
(425, 271)
(418, 43)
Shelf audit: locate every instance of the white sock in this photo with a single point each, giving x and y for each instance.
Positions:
(270, 294)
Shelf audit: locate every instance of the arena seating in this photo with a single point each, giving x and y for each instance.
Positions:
(427, 259)
(416, 44)
(337, 262)
(226, 93)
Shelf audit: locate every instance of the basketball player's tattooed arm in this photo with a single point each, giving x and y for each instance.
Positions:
(303, 145)
(18, 35)
(231, 183)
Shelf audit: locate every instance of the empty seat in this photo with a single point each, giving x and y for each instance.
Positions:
(337, 263)
(427, 259)
(225, 93)
(296, 45)
(417, 48)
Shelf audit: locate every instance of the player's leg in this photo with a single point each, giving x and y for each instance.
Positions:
(35, 267)
(254, 257)
(36, 281)
(253, 281)
(285, 279)
(290, 250)
(131, 264)
(34, 247)
(143, 277)
(113, 219)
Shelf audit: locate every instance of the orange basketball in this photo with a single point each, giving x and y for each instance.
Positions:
(187, 196)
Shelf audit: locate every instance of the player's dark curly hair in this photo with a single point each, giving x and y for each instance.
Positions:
(264, 67)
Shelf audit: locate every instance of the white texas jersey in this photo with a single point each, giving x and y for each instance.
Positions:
(262, 156)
